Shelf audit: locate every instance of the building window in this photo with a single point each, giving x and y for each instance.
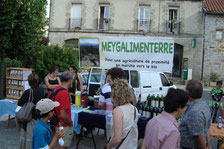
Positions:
(144, 19)
(76, 16)
(219, 34)
(74, 42)
(173, 23)
(104, 19)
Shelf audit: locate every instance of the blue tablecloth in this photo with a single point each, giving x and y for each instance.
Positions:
(7, 107)
(75, 116)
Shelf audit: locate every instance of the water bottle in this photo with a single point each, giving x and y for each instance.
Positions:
(220, 122)
(61, 141)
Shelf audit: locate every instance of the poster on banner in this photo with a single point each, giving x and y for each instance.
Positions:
(89, 52)
(129, 53)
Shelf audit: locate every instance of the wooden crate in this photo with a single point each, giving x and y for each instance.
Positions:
(16, 81)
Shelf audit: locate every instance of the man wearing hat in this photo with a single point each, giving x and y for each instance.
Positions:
(42, 130)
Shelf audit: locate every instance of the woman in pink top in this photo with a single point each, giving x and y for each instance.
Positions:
(162, 131)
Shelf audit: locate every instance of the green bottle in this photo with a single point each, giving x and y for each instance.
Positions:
(162, 102)
(153, 102)
(157, 101)
(149, 100)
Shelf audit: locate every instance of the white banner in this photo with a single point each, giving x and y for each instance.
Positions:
(137, 53)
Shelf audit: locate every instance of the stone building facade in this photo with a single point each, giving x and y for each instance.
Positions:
(182, 20)
(213, 38)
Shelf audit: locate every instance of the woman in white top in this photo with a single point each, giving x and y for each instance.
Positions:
(125, 117)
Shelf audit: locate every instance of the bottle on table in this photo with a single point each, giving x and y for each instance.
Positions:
(220, 122)
(144, 111)
(161, 102)
(153, 103)
(148, 113)
(149, 100)
(140, 108)
(157, 101)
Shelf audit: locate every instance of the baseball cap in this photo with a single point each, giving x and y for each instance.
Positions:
(46, 105)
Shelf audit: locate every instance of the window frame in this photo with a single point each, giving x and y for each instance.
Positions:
(144, 7)
(107, 20)
(71, 43)
(220, 31)
(167, 83)
(170, 21)
(72, 17)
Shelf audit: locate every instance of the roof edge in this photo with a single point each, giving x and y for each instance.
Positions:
(215, 13)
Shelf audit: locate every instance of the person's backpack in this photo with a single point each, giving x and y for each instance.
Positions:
(55, 118)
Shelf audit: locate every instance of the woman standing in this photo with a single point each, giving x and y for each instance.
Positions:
(51, 80)
(35, 93)
(77, 83)
(125, 117)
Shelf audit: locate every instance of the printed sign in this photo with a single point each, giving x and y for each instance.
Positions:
(128, 53)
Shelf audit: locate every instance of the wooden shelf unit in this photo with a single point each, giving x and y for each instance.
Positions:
(16, 81)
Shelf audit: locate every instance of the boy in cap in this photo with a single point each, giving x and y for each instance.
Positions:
(42, 130)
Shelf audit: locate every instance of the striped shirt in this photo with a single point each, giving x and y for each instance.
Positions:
(105, 101)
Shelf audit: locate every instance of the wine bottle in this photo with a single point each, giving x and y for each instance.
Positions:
(157, 100)
(153, 101)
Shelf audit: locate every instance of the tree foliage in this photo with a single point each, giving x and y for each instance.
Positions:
(63, 57)
(22, 25)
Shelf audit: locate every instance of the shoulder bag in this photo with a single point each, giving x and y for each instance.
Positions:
(25, 113)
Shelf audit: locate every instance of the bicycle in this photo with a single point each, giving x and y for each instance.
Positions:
(214, 112)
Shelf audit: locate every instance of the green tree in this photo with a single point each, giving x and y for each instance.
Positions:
(63, 57)
(22, 25)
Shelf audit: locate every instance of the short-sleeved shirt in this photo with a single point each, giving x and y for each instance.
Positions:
(63, 98)
(217, 94)
(41, 135)
(105, 100)
(162, 132)
(195, 122)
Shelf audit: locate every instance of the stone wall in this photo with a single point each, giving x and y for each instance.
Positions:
(124, 16)
(214, 58)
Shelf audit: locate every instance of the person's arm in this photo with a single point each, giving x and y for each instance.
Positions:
(118, 127)
(59, 81)
(24, 98)
(58, 134)
(143, 145)
(200, 141)
(65, 118)
(102, 101)
(80, 82)
(208, 144)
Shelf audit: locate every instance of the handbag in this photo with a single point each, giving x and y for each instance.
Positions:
(25, 113)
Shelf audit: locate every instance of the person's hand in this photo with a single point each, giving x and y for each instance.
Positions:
(208, 146)
(59, 134)
(108, 146)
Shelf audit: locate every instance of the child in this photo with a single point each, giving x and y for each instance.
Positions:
(42, 130)
(216, 96)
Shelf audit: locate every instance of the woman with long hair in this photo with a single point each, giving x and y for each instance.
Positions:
(125, 117)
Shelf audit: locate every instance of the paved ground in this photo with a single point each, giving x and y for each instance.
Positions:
(9, 138)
